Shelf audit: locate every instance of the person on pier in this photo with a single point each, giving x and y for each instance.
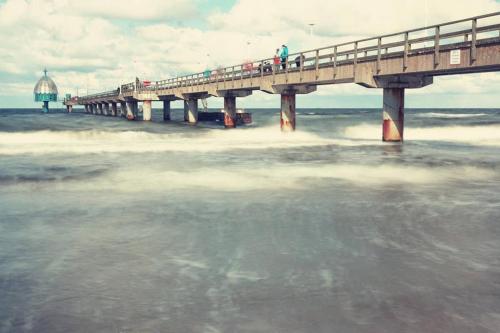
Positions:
(284, 55)
(276, 60)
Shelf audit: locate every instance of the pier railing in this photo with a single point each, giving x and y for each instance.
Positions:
(469, 32)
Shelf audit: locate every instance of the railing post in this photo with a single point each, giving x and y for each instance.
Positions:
(473, 51)
(317, 64)
(301, 65)
(274, 68)
(334, 62)
(224, 77)
(241, 75)
(379, 53)
(262, 69)
(355, 63)
(405, 53)
(287, 65)
(232, 76)
(436, 46)
(251, 73)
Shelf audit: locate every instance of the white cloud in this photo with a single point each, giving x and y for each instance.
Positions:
(137, 9)
(83, 44)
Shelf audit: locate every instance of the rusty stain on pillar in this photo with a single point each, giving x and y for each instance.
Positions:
(146, 110)
(130, 111)
(230, 112)
(192, 111)
(288, 112)
(393, 115)
(166, 110)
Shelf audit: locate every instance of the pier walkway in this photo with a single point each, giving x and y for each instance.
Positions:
(393, 62)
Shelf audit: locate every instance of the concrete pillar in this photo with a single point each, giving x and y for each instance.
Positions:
(105, 109)
(288, 112)
(393, 114)
(114, 111)
(192, 111)
(166, 110)
(146, 110)
(230, 112)
(123, 109)
(94, 109)
(186, 111)
(131, 110)
(99, 107)
(69, 108)
(86, 108)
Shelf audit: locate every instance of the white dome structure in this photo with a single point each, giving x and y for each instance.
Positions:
(45, 91)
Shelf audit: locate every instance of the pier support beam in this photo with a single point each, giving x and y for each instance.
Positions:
(146, 110)
(123, 109)
(131, 110)
(45, 107)
(69, 108)
(192, 111)
(114, 110)
(99, 108)
(86, 108)
(230, 112)
(393, 115)
(166, 111)
(186, 111)
(105, 108)
(288, 112)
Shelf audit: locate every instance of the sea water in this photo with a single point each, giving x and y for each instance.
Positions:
(108, 225)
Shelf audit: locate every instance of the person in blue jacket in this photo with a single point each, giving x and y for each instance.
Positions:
(284, 55)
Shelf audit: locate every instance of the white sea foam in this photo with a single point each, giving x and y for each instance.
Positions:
(274, 177)
(88, 142)
(44, 142)
(485, 135)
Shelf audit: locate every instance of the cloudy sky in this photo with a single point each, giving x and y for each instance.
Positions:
(95, 45)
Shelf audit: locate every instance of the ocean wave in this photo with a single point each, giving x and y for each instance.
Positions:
(86, 142)
(449, 115)
(273, 177)
(488, 135)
